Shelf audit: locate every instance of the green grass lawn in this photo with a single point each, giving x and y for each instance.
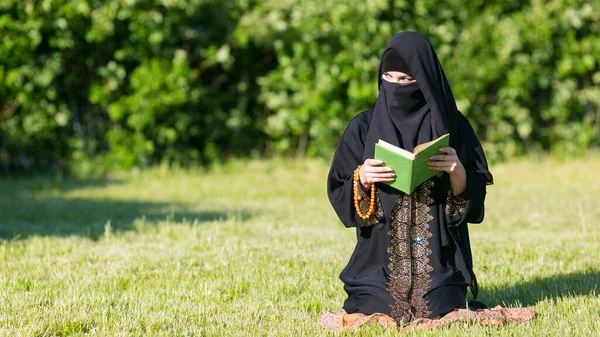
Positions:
(254, 249)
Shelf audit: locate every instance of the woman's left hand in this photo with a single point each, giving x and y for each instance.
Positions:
(448, 163)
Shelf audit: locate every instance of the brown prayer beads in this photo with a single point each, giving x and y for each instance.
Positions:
(358, 197)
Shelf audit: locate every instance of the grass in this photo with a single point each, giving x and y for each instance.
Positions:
(254, 249)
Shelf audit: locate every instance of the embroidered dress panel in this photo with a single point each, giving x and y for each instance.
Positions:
(409, 254)
(455, 204)
(364, 202)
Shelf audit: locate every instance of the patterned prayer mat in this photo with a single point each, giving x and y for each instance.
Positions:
(342, 321)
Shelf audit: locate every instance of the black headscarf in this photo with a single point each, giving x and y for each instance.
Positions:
(405, 105)
(408, 115)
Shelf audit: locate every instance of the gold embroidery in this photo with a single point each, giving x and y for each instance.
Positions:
(455, 204)
(364, 203)
(409, 254)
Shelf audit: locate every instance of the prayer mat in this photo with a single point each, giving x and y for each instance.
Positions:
(342, 321)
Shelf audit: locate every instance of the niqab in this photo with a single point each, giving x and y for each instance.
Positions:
(408, 115)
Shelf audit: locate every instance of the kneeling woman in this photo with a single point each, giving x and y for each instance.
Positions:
(413, 257)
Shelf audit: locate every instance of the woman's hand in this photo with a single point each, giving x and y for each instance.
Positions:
(448, 163)
(451, 164)
(372, 172)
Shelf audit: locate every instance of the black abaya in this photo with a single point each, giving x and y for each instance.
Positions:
(413, 256)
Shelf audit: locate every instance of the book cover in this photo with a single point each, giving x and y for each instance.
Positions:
(410, 168)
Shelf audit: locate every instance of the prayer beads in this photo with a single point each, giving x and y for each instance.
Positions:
(358, 197)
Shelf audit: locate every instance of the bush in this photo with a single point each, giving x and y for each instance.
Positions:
(123, 83)
(523, 74)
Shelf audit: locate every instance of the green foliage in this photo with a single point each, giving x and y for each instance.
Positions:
(123, 83)
(524, 74)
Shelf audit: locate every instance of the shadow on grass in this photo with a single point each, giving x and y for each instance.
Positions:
(28, 183)
(23, 214)
(581, 283)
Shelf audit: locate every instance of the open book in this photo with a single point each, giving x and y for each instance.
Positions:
(410, 168)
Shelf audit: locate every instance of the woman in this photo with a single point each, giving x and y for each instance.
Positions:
(413, 257)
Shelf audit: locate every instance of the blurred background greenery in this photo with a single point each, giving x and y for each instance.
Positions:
(97, 85)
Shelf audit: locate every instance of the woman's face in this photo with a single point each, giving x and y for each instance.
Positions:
(397, 77)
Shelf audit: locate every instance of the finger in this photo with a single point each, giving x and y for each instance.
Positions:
(441, 163)
(384, 175)
(379, 180)
(436, 168)
(373, 162)
(380, 175)
(442, 166)
(378, 169)
(448, 150)
(443, 157)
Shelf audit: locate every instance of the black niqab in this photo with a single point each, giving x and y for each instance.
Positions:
(408, 115)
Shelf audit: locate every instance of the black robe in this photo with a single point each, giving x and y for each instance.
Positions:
(413, 257)
(429, 277)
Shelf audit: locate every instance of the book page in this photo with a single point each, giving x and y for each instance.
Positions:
(396, 149)
(423, 146)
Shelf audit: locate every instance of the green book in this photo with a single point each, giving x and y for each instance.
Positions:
(410, 168)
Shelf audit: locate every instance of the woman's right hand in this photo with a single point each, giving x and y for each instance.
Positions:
(372, 172)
